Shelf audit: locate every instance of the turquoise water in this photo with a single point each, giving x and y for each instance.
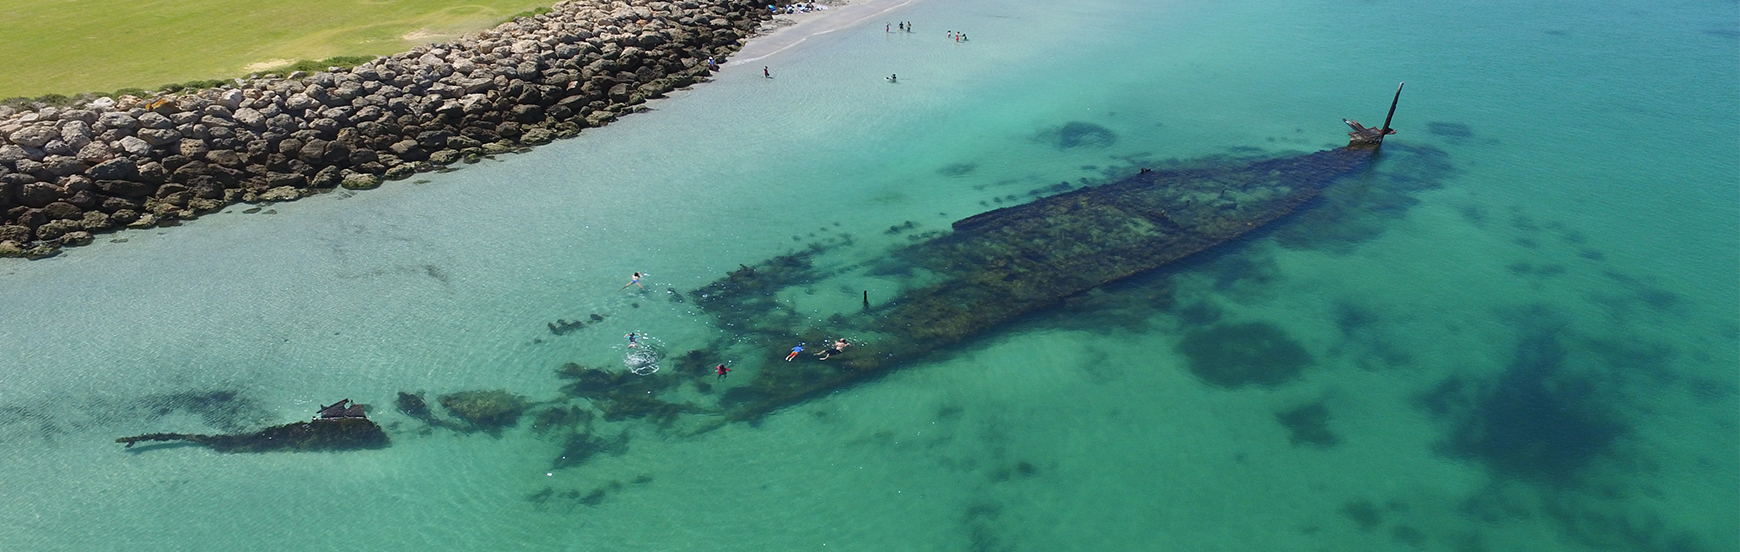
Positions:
(1522, 330)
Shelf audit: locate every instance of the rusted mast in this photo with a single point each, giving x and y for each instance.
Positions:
(1363, 137)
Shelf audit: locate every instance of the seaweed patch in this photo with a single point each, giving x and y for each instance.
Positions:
(1242, 354)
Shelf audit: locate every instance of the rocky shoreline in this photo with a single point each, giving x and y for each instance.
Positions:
(129, 162)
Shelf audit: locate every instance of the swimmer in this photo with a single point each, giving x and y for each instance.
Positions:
(722, 370)
(839, 345)
(634, 281)
(632, 337)
(794, 352)
(893, 78)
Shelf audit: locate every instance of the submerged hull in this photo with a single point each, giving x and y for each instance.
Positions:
(1002, 264)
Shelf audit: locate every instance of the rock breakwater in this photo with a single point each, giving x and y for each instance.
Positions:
(111, 163)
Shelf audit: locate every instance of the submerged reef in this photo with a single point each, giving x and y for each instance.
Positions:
(489, 411)
(1008, 262)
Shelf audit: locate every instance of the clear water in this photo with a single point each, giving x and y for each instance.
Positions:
(1579, 256)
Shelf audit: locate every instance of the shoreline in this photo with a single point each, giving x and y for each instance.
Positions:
(110, 163)
(803, 26)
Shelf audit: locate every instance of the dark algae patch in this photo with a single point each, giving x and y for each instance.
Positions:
(1308, 426)
(489, 411)
(1538, 421)
(1077, 134)
(1241, 354)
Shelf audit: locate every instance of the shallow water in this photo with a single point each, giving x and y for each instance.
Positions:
(1521, 333)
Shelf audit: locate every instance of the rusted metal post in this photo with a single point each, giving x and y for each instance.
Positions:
(1392, 114)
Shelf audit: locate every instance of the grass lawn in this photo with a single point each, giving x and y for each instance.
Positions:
(74, 46)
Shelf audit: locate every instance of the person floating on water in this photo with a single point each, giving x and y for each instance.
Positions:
(794, 352)
(722, 370)
(839, 345)
(634, 281)
(633, 339)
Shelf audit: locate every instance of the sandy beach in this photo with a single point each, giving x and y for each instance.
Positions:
(790, 30)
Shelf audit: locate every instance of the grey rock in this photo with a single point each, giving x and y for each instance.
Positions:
(286, 180)
(38, 194)
(34, 136)
(64, 165)
(326, 126)
(250, 118)
(231, 99)
(159, 137)
(11, 153)
(116, 119)
(281, 193)
(124, 188)
(61, 210)
(59, 147)
(115, 169)
(537, 136)
(361, 181)
(134, 146)
(155, 121)
(79, 238)
(401, 171)
(29, 166)
(94, 152)
(326, 178)
(193, 147)
(55, 229)
(298, 103)
(15, 233)
(444, 157)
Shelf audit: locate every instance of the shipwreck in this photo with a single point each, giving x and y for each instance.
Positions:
(1002, 264)
(340, 426)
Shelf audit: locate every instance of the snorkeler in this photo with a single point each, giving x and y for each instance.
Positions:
(839, 345)
(794, 352)
(632, 339)
(634, 281)
(722, 370)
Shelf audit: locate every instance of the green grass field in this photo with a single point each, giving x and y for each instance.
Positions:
(75, 46)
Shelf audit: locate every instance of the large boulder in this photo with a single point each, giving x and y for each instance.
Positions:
(38, 194)
(361, 181)
(134, 145)
(117, 119)
(154, 120)
(120, 168)
(250, 118)
(34, 136)
(15, 233)
(64, 165)
(159, 137)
